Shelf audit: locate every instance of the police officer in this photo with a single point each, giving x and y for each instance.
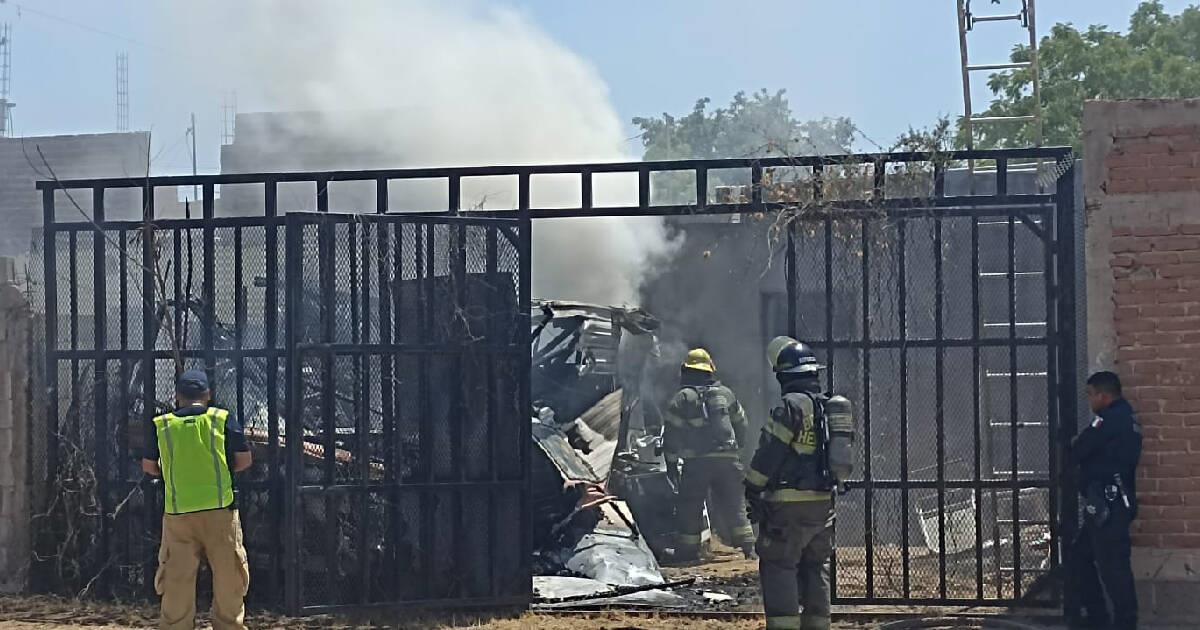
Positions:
(705, 426)
(1106, 453)
(196, 449)
(804, 454)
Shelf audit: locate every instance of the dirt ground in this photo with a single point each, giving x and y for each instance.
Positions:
(726, 571)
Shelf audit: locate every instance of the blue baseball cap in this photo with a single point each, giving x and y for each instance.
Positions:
(192, 383)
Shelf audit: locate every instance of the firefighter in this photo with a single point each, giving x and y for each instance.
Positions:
(805, 453)
(196, 449)
(705, 426)
(1106, 454)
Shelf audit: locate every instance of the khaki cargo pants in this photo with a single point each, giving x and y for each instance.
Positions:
(215, 535)
(794, 547)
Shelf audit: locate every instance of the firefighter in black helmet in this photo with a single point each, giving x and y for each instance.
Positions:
(705, 426)
(804, 455)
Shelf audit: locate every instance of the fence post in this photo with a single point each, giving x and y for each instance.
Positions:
(14, 425)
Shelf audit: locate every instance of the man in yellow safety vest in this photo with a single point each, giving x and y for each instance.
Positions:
(196, 449)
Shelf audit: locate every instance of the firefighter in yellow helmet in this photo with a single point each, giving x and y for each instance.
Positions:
(804, 455)
(705, 427)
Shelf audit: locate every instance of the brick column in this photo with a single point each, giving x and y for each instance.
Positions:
(1142, 191)
(14, 423)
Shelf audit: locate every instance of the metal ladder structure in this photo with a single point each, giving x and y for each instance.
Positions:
(967, 20)
(1002, 377)
(1010, 424)
(5, 79)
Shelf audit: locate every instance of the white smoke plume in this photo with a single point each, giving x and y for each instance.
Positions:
(461, 84)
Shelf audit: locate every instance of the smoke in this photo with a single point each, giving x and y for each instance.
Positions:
(402, 83)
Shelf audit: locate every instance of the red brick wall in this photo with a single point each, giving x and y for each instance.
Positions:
(1156, 282)
(1161, 159)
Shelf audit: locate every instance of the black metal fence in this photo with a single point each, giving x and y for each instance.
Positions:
(380, 365)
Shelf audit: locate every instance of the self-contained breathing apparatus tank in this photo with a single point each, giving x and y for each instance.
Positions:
(787, 355)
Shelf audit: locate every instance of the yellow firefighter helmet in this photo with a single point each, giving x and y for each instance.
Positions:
(699, 359)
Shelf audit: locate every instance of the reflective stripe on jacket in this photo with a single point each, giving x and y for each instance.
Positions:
(196, 475)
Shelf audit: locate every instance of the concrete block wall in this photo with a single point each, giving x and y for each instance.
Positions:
(80, 156)
(14, 423)
(1142, 192)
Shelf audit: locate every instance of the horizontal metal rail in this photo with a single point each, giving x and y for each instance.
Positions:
(557, 169)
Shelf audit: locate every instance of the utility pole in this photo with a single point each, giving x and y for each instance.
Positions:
(5, 78)
(122, 91)
(192, 132)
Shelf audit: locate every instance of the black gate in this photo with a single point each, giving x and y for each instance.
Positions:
(949, 318)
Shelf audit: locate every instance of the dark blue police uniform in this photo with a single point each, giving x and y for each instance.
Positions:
(1106, 455)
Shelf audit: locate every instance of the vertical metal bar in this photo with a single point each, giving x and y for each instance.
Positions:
(104, 443)
(1049, 285)
(426, 296)
(323, 195)
(181, 341)
(868, 485)
(1068, 416)
(524, 360)
(381, 196)
(275, 501)
(940, 399)
(209, 287)
(905, 551)
(643, 188)
(878, 186)
(388, 261)
(389, 258)
(790, 273)
(976, 428)
(818, 193)
(362, 396)
(74, 429)
(294, 429)
(458, 276)
(756, 188)
(123, 294)
(50, 265)
(495, 309)
(1013, 454)
(151, 301)
(701, 187)
(326, 244)
(123, 379)
(1001, 177)
(458, 279)
(454, 194)
(239, 317)
(585, 185)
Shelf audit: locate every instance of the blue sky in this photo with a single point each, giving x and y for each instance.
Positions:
(886, 64)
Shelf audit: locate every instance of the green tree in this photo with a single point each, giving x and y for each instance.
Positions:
(757, 125)
(1159, 57)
